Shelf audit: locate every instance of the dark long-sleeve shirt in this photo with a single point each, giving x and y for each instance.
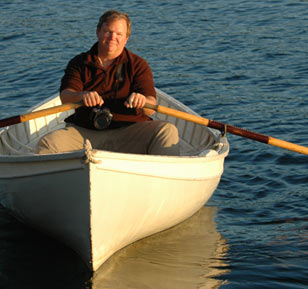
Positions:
(128, 73)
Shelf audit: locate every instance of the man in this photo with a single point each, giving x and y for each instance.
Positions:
(113, 83)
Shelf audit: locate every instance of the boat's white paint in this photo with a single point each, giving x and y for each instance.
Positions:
(97, 202)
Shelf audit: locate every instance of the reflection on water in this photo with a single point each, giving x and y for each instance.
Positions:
(189, 255)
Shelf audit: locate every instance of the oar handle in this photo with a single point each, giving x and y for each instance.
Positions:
(40, 113)
(229, 128)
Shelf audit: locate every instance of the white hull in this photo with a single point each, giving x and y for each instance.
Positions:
(98, 202)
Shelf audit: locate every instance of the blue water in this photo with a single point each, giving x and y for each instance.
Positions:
(239, 62)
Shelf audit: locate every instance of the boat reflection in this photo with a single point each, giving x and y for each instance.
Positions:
(189, 255)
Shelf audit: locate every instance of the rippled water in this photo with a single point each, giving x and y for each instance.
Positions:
(239, 62)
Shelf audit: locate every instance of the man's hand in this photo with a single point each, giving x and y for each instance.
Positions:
(92, 98)
(89, 98)
(135, 100)
(138, 100)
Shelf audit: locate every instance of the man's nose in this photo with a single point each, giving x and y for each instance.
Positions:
(112, 35)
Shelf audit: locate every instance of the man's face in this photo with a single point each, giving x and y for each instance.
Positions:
(112, 38)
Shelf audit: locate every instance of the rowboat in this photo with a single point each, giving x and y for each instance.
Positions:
(96, 201)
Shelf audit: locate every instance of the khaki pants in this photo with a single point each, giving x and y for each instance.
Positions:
(150, 137)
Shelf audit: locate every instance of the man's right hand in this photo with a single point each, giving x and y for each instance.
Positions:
(89, 98)
(92, 98)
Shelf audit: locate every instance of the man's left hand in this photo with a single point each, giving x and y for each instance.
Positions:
(135, 100)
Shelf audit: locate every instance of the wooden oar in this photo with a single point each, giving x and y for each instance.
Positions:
(36, 114)
(229, 128)
(172, 112)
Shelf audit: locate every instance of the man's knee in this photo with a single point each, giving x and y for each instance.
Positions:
(169, 132)
(166, 139)
(45, 146)
(62, 140)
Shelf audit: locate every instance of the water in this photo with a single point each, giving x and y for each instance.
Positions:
(239, 62)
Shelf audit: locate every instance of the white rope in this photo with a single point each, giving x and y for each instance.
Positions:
(89, 156)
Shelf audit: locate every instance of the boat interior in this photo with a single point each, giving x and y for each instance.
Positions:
(21, 139)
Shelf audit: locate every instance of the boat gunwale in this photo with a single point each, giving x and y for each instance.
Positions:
(101, 154)
(42, 157)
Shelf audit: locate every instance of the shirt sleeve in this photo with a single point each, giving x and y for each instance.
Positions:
(72, 78)
(143, 79)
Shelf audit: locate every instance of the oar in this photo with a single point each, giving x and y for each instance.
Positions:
(172, 112)
(36, 114)
(229, 128)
